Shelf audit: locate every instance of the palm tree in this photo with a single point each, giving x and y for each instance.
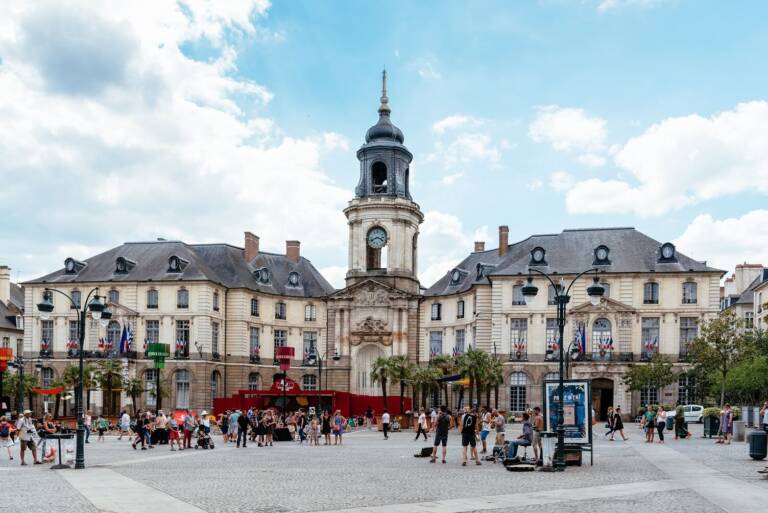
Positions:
(134, 387)
(445, 365)
(56, 384)
(90, 383)
(380, 373)
(471, 365)
(425, 378)
(494, 379)
(400, 369)
(70, 377)
(108, 376)
(13, 383)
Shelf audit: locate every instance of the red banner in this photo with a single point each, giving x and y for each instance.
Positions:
(48, 391)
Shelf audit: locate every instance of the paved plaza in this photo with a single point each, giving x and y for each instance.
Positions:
(368, 474)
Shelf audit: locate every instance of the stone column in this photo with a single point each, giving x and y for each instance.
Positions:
(337, 332)
(348, 329)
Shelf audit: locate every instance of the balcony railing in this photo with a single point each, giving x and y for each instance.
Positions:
(647, 355)
(519, 355)
(181, 354)
(46, 353)
(308, 362)
(255, 359)
(602, 356)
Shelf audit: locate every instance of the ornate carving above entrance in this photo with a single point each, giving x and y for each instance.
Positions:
(371, 295)
(373, 326)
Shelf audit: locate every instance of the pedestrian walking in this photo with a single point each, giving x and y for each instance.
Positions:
(301, 425)
(726, 425)
(101, 426)
(469, 435)
(88, 423)
(609, 421)
(233, 428)
(617, 424)
(485, 427)
(224, 426)
(5, 436)
(242, 429)
(26, 428)
(764, 416)
(649, 425)
(442, 426)
(161, 428)
(422, 425)
(385, 423)
(368, 418)
(124, 425)
(661, 423)
(326, 427)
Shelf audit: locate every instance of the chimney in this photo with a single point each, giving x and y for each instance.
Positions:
(293, 250)
(251, 246)
(503, 239)
(5, 284)
(479, 246)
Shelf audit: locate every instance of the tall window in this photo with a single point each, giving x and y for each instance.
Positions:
(689, 330)
(153, 331)
(280, 340)
(254, 381)
(310, 313)
(689, 293)
(749, 320)
(435, 343)
(150, 384)
(280, 310)
(113, 335)
(551, 294)
(152, 299)
(215, 378)
(75, 299)
(460, 309)
(602, 337)
(552, 335)
(253, 336)
(518, 337)
(517, 295)
(46, 335)
(214, 337)
(651, 293)
(686, 389)
(182, 338)
(649, 336)
(215, 301)
(310, 343)
(255, 307)
(182, 389)
(74, 333)
(518, 391)
(182, 298)
(436, 311)
(649, 395)
(459, 349)
(113, 296)
(309, 382)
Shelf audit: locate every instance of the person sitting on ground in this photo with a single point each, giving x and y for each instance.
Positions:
(524, 439)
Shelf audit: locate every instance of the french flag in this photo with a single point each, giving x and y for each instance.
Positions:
(124, 340)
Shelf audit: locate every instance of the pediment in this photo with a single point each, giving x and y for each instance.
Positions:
(370, 293)
(607, 305)
(119, 310)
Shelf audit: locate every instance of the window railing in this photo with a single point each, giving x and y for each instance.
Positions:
(518, 355)
(689, 300)
(255, 359)
(650, 301)
(308, 362)
(46, 353)
(647, 354)
(182, 354)
(602, 356)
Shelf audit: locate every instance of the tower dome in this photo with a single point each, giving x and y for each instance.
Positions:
(384, 130)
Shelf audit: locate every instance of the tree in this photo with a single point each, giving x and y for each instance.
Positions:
(400, 369)
(108, 374)
(445, 365)
(425, 380)
(13, 383)
(134, 387)
(59, 383)
(472, 365)
(90, 383)
(721, 345)
(655, 374)
(380, 373)
(70, 377)
(494, 379)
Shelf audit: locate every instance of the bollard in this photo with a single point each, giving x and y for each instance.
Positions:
(738, 430)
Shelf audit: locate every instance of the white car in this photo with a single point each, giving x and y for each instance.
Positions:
(692, 412)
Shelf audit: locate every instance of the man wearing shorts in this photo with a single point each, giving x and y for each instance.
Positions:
(442, 426)
(26, 428)
(468, 435)
(485, 423)
(538, 427)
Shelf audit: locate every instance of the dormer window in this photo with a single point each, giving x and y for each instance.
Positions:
(176, 264)
(293, 279)
(484, 270)
(456, 276)
(667, 253)
(601, 255)
(123, 265)
(538, 256)
(262, 275)
(72, 266)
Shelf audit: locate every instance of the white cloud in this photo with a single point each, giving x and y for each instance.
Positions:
(534, 185)
(465, 148)
(454, 122)
(607, 5)
(683, 161)
(592, 160)
(451, 179)
(727, 242)
(443, 243)
(122, 123)
(561, 181)
(427, 69)
(568, 129)
(335, 274)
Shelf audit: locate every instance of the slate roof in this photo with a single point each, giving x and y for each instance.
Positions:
(748, 296)
(570, 252)
(8, 311)
(219, 263)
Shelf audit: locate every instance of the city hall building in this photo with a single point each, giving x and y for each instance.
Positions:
(225, 309)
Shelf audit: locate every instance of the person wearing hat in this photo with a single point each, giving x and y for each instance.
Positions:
(26, 428)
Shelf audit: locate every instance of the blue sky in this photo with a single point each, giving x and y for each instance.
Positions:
(201, 120)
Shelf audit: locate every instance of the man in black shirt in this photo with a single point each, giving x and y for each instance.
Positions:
(443, 425)
(242, 429)
(302, 424)
(468, 435)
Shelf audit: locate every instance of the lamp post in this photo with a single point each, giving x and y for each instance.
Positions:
(595, 292)
(314, 356)
(99, 311)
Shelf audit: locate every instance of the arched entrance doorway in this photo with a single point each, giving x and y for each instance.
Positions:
(361, 370)
(602, 397)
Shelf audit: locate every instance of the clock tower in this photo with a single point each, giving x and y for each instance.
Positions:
(383, 219)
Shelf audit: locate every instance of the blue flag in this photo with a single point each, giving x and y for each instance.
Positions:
(124, 341)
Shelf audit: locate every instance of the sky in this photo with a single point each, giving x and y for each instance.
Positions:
(198, 120)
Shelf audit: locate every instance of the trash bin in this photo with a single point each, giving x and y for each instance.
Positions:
(758, 445)
(548, 443)
(711, 426)
(670, 423)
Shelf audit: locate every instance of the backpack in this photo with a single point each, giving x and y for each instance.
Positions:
(4, 431)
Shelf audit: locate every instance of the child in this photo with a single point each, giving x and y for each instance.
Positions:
(102, 424)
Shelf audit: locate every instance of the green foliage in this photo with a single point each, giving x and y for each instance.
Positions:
(380, 372)
(473, 364)
(715, 411)
(655, 374)
(400, 371)
(745, 383)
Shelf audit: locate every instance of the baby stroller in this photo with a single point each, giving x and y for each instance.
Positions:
(204, 440)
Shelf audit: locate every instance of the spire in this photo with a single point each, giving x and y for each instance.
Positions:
(384, 107)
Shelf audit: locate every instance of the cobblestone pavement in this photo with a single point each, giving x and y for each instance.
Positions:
(368, 471)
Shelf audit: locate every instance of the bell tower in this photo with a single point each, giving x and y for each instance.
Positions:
(383, 219)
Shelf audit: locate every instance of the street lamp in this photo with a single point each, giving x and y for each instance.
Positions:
(595, 292)
(99, 311)
(315, 357)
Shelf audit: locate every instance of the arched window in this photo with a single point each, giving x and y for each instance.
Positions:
(150, 383)
(379, 178)
(602, 337)
(551, 376)
(309, 382)
(460, 309)
(113, 335)
(254, 381)
(182, 389)
(152, 299)
(113, 296)
(182, 298)
(651, 293)
(215, 380)
(518, 391)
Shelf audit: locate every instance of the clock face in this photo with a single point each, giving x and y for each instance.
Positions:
(455, 276)
(667, 251)
(377, 238)
(602, 253)
(538, 255)
(70, 265)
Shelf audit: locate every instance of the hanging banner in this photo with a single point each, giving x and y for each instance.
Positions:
(48, 391)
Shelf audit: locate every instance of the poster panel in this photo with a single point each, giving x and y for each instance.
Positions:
(577, 410)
